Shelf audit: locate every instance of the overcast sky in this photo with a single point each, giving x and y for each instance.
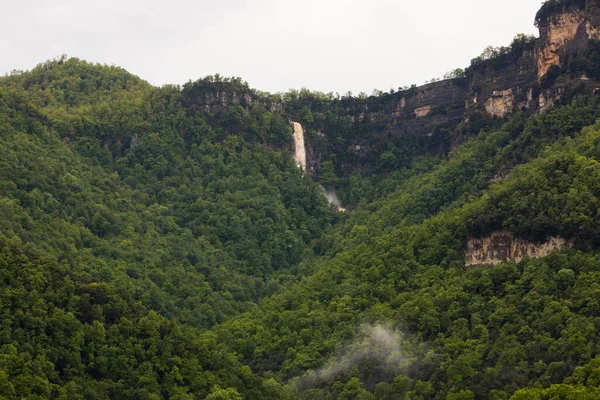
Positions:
(275, 45)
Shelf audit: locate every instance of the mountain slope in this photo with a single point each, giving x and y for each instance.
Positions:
(162, 243)
(488, 330)
(159, 234)
(181, 231)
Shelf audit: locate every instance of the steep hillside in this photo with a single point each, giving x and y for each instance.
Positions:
(176, 242)
(462, 332)
(179, 226)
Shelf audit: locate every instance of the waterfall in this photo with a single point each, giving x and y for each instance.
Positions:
(299, 149)
(300, 157)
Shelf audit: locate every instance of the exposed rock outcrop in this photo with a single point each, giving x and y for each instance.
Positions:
(500, 103)
(548, 98)
(565, 35)
(218, 97)
(503, 246)
(556, 36)
(422, 111)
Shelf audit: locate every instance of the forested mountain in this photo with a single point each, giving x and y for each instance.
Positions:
(181, 230)
(162, 243)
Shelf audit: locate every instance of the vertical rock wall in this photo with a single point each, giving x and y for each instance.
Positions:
(502, 246)
(500, 103)
(424, 118)
(564, 36)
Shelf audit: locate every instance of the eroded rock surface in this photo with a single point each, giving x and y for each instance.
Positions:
(422, 111)
(560, 31)
(562, 34)
(500, 103)
(503, 246)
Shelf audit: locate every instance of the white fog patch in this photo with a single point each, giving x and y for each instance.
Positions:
(332, 198)
(379, 345)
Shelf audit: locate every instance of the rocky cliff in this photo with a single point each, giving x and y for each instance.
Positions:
(502, 246)
(217, 95)
(531, 76)
(565, 35)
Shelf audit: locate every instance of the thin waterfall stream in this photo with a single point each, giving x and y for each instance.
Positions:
(300, 157)
(299, 148)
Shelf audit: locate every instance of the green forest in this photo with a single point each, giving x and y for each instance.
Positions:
(153, 247)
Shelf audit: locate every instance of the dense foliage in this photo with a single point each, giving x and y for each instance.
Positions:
(489, 331)
(66, 335)
(504, 54)
(154, 248)
(162, 214)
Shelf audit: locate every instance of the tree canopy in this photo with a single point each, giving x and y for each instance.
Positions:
(151, 248)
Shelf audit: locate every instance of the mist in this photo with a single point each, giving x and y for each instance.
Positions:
(380, 346)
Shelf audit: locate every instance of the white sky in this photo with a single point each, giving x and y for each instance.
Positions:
(275, 45)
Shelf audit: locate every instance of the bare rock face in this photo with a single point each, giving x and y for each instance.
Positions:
(557, 34)
(220, 102)
(548, 98)
(500, 103)
(503, 246)
(563, 34)
(422, 111)
(545, 104)
(402, 103)
(218, 97)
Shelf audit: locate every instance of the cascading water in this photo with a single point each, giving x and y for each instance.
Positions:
(333, 199)
(299, 149)
(300, 157)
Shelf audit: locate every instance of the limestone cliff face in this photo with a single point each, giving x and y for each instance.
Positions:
(219, 101)
(564, 35)
(424, 119)
(500, 103)
(218, 97)
(556, 36)
(502, 246)
(422, 111)
(411, 115)
(503, 85)
(492, 88)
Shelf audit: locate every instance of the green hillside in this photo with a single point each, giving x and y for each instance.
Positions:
(467, 332)
(182, 231)
(155, 247)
